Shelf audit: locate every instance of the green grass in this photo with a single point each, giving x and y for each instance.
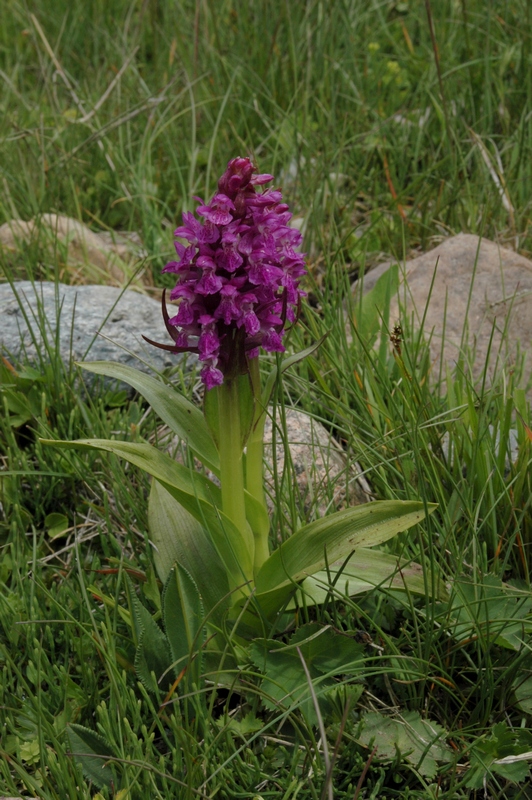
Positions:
(342, 102)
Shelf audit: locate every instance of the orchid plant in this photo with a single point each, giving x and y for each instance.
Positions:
(238, 286)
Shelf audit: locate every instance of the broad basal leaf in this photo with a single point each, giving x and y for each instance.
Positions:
(181, 416)
(265, 606)
(366, 570)
(179, 537)
(303, 554)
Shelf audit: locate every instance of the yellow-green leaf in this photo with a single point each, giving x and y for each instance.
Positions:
(181, 416)
(334, 537)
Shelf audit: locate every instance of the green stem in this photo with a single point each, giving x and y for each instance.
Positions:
(231, 467)
(254, 464)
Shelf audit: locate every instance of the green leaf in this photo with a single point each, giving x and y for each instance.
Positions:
(178, 537)
(342, 695)
(30, 751)
(56, 524)
(247, 406)
(295, 358)
(28, 373)
(523, 692)
(196, 493)
(181, 416)
(265, 606)
(183, 616)
(419, 741)
(153, 655)
(326, 654)
(153, 660)
(366, 570)
(303, 554)
(211, 414)
(499, 754)
(496, 613)
(18, 406)
(150, 588)
(327, 650)
(256, 513)
(516, 771)
(88, 748)
(241, 727)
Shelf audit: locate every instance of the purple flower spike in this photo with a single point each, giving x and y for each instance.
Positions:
(238, 275)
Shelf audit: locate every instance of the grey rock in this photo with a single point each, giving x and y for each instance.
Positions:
(82, 313)
(471, 282)
(324, 477)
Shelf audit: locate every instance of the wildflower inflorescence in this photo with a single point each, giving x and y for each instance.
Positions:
(238, 274)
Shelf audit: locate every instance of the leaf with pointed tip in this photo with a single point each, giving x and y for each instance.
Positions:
(181, 416)
(153, 652)
(152, 660)
(295, 358)
(90, 750)
(334, 537)
(366, 570)
(183, 616)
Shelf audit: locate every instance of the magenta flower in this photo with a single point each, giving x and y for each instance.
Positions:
(237, 275)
